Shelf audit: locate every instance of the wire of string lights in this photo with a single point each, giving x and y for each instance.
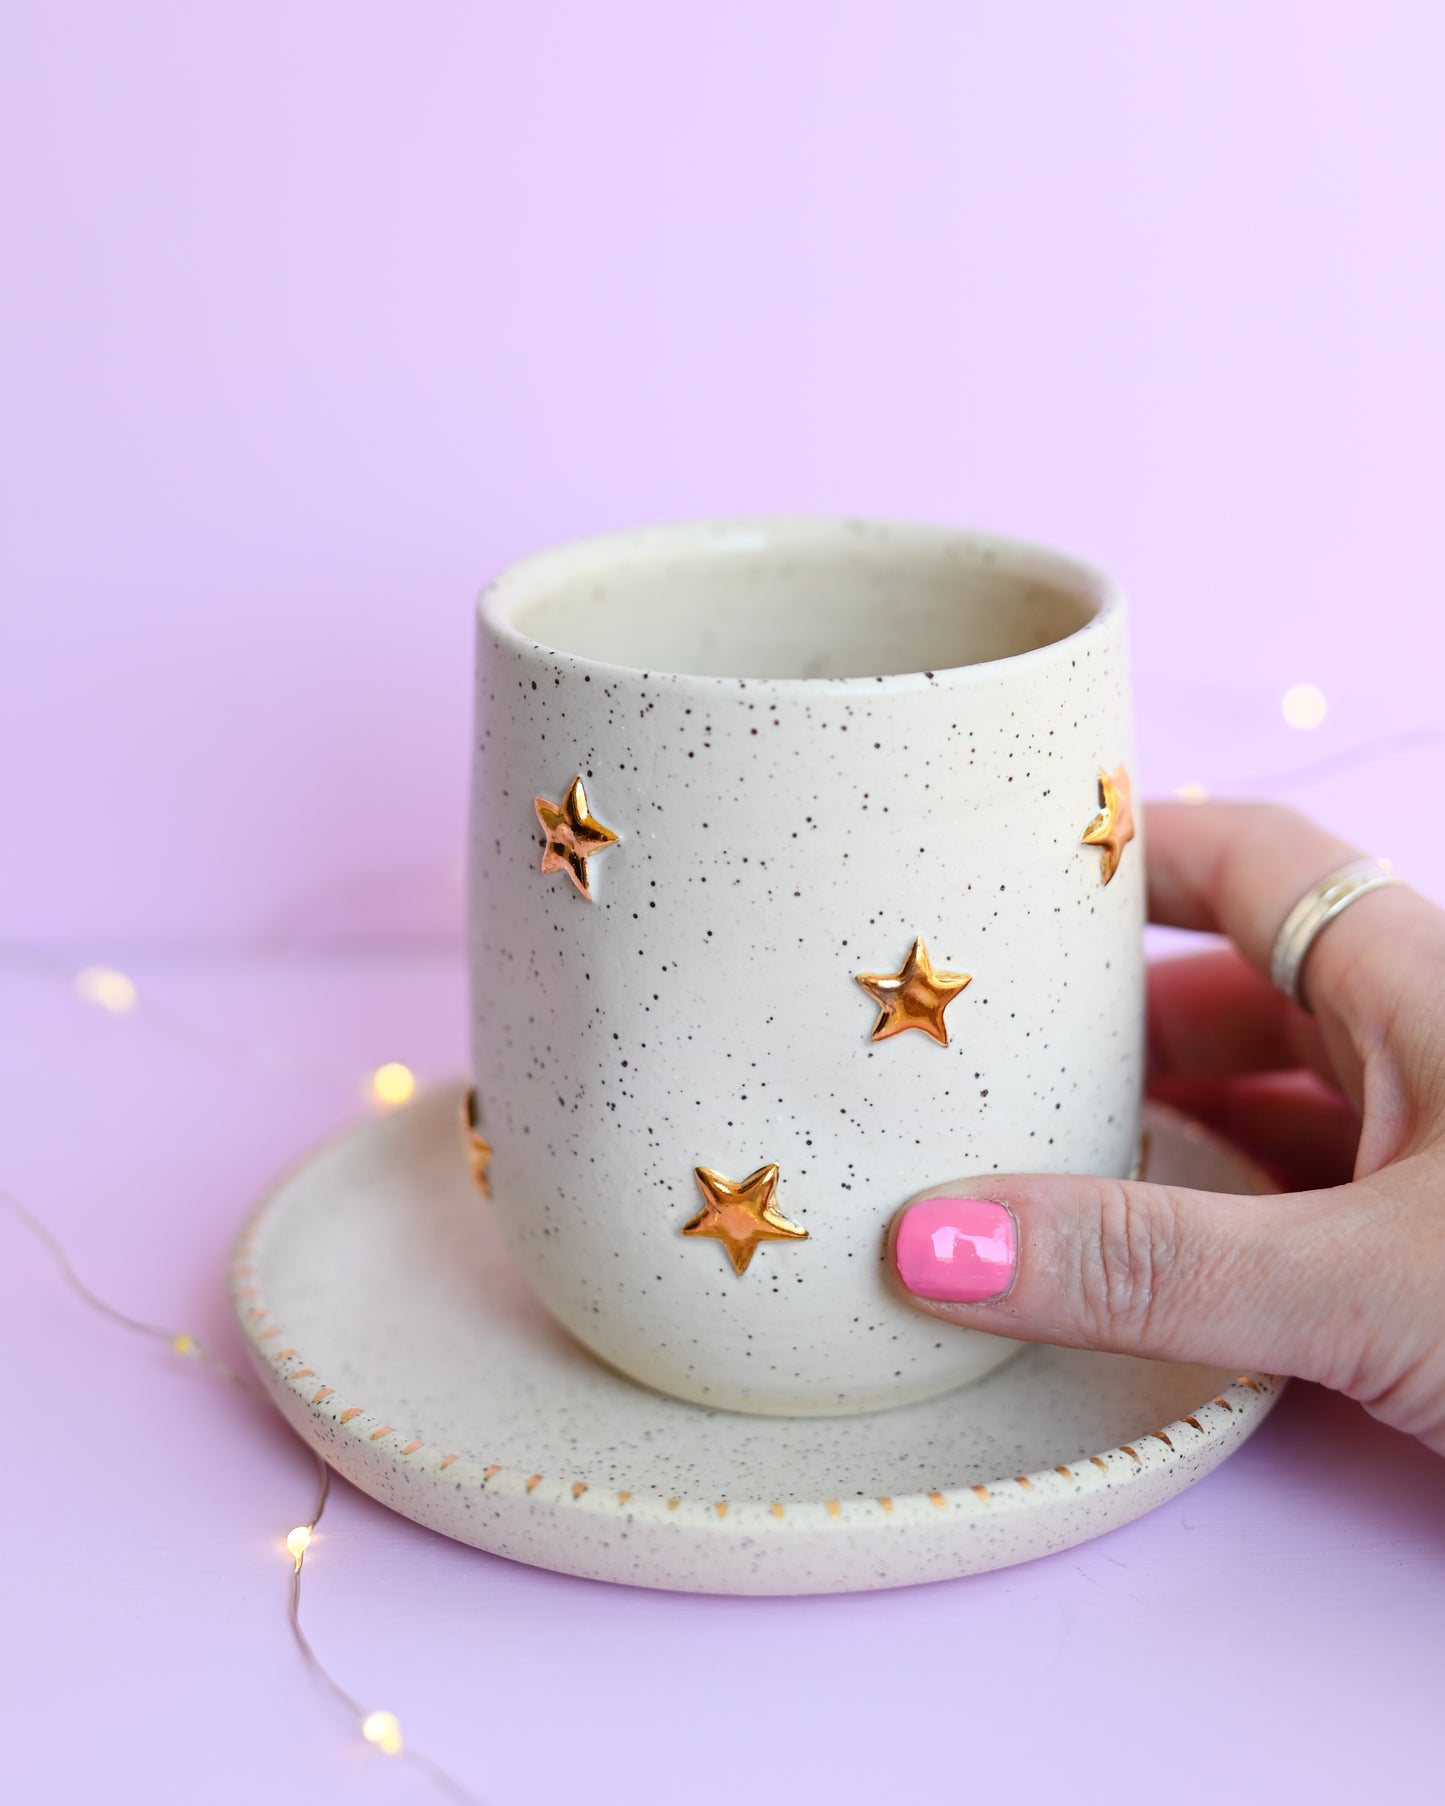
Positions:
(393, 1083)
(377, 1726)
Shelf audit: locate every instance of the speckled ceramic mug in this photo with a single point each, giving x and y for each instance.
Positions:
(801, 881)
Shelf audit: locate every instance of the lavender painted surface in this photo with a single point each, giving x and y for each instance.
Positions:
(1203, 1649)
(313, 318)
(316, 316)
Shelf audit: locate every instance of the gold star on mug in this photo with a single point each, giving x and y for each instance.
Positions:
(573, 835)
(479, 1149)
(1113, 827)
(741, 1215)
(914, 997)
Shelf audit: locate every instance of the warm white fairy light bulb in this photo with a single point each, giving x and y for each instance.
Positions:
(106, 989)
(382, 1729)
(1304, 705)
(298, 1541)
(393, 1083)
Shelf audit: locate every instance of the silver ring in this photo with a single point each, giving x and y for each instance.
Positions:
(1321, 904)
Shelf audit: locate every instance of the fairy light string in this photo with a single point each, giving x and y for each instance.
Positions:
(377, 1726)
(114, 992)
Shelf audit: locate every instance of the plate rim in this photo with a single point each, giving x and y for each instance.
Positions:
(1243, 1403)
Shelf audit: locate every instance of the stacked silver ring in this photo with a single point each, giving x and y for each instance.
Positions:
(1319, 905)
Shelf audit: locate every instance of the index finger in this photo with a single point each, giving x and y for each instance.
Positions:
(1239, 868)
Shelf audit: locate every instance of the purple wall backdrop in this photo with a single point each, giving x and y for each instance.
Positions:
(316, 314)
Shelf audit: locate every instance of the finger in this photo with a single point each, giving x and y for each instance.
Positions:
(1211, 1015)
(1154, 1270)
(1302, 1130)
(1239, 868)
(1235, 868)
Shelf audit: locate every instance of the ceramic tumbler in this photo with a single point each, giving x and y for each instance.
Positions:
(804, 876)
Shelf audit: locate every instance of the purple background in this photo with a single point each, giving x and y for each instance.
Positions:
(313, 315)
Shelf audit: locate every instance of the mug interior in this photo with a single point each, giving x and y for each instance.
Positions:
(797, 598)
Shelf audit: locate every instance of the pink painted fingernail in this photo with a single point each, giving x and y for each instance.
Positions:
(958, 1249)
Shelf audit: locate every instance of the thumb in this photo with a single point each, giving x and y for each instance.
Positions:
(1155, 1270)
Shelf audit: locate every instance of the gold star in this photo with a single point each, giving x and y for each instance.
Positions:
(741, 1216)
(916, 997)
(573, 836)
(479, 1149)
(1113, 827)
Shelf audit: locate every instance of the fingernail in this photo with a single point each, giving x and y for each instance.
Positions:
(961, 1250)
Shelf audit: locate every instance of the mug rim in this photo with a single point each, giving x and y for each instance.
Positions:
(1021, 557)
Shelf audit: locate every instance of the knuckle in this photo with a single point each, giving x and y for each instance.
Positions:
(1129, 1251)
(1386, 1341)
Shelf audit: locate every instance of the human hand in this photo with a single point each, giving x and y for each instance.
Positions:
(1342, 1282)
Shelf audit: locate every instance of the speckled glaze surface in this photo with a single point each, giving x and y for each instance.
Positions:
(778, 834)
(396, 1336)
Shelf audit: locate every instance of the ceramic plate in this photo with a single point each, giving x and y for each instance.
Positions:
(388, 1325)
